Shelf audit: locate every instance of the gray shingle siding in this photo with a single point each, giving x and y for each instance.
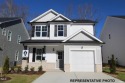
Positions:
(10, 47)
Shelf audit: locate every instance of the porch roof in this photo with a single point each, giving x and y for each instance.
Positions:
(58, 41)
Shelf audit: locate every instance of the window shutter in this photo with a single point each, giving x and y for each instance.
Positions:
(33, 30)
(55, 31)
(48, 31)
(65, 30)
(34, 52)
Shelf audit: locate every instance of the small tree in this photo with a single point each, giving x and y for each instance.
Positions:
(112, 65)
(6, 65)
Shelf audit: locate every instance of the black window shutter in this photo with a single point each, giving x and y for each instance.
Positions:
(32, 33)
(34, 52)
(65, 30)
(55, 31)
(48, 31)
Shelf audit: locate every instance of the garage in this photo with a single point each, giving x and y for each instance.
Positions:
(82, 61)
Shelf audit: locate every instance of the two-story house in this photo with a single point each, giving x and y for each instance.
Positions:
(12, 32)
(58, 42)
(113, 35)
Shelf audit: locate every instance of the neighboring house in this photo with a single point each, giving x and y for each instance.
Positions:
(12, 31)
(58, 42)
(113, 34)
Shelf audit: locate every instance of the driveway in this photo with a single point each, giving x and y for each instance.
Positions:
(70, 77)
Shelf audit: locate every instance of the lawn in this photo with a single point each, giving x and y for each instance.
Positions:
(20, 78)
(120, 72)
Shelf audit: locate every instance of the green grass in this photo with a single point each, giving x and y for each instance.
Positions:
(121, 76)
(120, 72)
(20, 78)
(106, 70)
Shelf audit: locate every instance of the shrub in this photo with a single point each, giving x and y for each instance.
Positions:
(19, 68)
(112, 65)
(32, 69)
(40, 68)
(6, 65)
(26, 69)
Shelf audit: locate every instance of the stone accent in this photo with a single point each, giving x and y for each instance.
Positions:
(50, 66)
(45, 66)
(67, 67)
(24, 64)
(35, 65)
(98, 68)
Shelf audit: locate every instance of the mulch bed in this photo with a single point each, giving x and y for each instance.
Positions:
(28, 72)
(4, 78)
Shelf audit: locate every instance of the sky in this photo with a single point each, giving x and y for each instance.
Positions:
(104, 7)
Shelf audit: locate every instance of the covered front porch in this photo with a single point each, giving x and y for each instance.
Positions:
(50, 56)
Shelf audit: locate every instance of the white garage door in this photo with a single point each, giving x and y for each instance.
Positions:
(82, 61)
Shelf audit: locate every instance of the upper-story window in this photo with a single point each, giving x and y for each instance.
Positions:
(41, 31)
(4, 31)
(18, 39)
(38, 31)
(16, 55)
(60, 31)
(44, 31)
(9, 35)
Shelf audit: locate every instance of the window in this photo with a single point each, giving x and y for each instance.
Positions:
(4, 31)
(44, 31)
(9, 35)
(39, 54)
(60, 30)
(38, 31)
(109, 36)
(41, 31)
(16, 55)
(18, 39)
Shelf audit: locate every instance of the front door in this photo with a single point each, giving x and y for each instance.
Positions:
(60, 59)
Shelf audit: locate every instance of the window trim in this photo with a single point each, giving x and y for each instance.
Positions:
(37, 31)
(4, 31)
(16, 55)
(9, 39)
(44, 31)
(41, 31)
(60, 30)
(18, 39)
(38, 49)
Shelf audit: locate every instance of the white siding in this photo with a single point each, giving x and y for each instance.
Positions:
(47, 17)
(96, 49)
(115, 45)
(77, 27)
(71, 29)
(81, 37)
(59, 18)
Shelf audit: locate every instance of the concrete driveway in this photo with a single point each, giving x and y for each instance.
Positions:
(64, 77)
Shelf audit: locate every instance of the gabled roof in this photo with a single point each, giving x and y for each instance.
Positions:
(4, 19)
(84, 31)
(83, 21)
(123, 17)
(51, 10)
(60, 15)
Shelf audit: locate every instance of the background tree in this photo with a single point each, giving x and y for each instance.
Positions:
(83, 12)
(10, 9)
